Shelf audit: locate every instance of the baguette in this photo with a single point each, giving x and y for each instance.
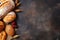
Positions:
(7, 6)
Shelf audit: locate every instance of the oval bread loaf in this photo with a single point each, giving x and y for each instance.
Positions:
(9, 30)
(7, 6)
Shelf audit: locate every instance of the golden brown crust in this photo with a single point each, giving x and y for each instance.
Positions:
(9, 30)
(1, 26)
(2, 1)
(3, 35)
(9, 17)
(6, 7)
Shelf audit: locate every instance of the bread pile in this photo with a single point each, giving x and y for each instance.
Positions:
(7, 16)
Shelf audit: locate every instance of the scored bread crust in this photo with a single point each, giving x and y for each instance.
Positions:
(7, 6)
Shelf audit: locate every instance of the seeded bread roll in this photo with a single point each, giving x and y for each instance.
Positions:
(5, 7)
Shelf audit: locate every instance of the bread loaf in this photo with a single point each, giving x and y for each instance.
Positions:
(5, 7)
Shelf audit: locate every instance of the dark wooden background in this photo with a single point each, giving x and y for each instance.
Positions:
(34, 23)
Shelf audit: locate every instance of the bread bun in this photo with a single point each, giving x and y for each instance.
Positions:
(9, 17)
(3, 35)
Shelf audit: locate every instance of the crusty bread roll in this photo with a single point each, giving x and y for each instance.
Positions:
(9, 17)
(9, 30)
(5, 7)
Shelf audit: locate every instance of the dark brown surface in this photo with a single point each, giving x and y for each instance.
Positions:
(34, 22)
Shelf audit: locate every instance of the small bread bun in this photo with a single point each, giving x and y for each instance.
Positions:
(9, 17)
(7, 6)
